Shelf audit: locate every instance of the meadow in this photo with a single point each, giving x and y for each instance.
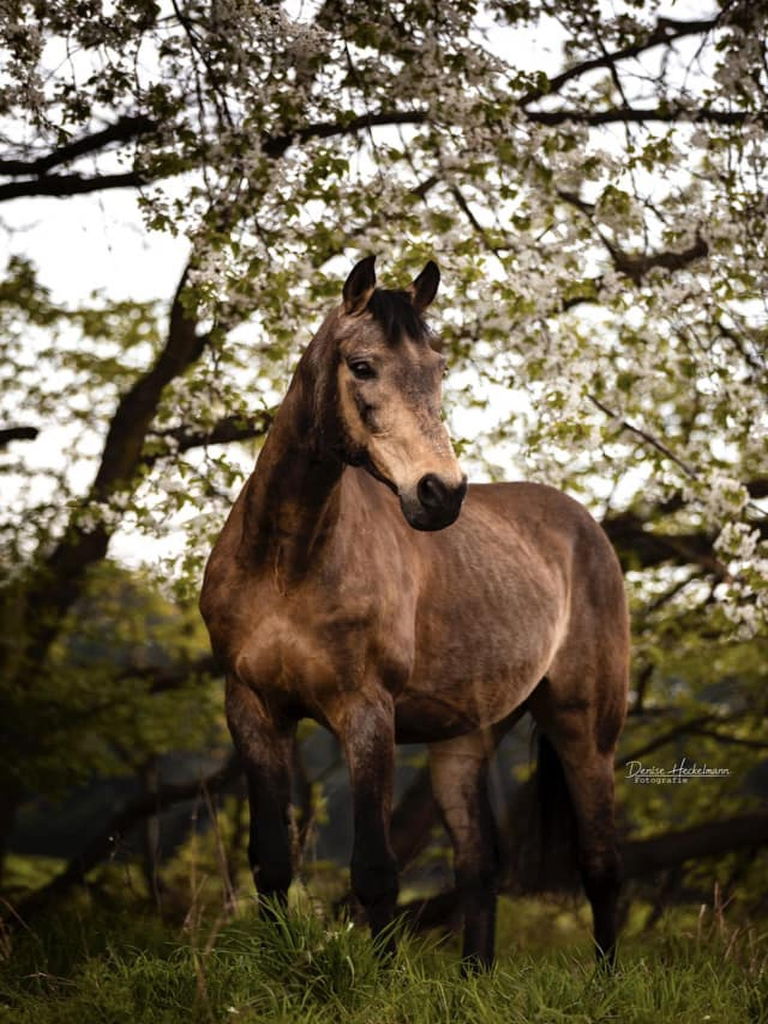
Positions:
(92, 965)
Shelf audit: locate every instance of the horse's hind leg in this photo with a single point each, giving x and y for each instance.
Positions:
(265, 748)
(585, 747)
(459, 769)
(591, 787)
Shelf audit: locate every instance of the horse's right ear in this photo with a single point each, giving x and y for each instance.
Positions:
(359, 286)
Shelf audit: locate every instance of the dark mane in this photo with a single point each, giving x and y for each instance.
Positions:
(396, 315)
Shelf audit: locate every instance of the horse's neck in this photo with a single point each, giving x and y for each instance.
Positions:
(293, 496)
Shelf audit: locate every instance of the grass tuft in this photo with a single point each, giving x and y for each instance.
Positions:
(90, 967)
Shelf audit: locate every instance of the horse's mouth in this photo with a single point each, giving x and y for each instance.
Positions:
(426, 512)
(429, 522)
(431, 505)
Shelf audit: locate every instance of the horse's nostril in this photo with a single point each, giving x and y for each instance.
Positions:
(432, 491)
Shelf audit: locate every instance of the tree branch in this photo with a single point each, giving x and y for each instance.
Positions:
(710, 839)
(640, 857)
(69, 185)
(226, 430)
(665, 32)
(632, 115)
(683, 728)
(8, 434)
(127, 431)
(123, 130)
(59, 578)
(648, 438)
(103, 845)
(275, 145)
(638, 547)
(636, 267)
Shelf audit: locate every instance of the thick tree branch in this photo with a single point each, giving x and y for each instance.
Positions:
(59, 579)
(636, 267)
(8, 434)
(632, 115)
(665, 32)
(710, 839)
(640, 857)
(123, 130)
(70, 185)
(226, 430)
(127, 431)
(104, 844)
(275, 145)
(639, 548)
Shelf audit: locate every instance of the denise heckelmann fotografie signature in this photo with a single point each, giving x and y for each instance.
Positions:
(682, 771)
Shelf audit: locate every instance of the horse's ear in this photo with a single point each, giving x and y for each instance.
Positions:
(359, 286)
(424, 288)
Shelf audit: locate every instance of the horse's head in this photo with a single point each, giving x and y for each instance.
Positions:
(388, 387)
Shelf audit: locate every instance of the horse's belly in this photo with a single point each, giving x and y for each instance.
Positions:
(430, 710)
(426, 720)
(471, 672)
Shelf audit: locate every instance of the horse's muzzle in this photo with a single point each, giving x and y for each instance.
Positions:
(435, 503)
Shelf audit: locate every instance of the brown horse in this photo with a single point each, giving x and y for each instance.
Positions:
(346, 588)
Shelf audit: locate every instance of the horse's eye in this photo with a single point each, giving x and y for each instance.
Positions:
(362, 370)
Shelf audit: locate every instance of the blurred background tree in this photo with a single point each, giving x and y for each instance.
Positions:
(591, 179)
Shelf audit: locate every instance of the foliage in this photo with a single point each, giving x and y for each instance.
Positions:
(122, 686)
(601, 229)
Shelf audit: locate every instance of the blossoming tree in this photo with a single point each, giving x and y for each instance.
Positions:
(600, 218)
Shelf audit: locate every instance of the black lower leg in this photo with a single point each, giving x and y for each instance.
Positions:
(369, 745)
(270, 846)
(375, 885)
(602, 889)
(479, 904)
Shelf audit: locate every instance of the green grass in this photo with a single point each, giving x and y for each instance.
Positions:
(88, 967)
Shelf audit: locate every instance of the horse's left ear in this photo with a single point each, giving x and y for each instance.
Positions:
(424, 288)
(359, 286)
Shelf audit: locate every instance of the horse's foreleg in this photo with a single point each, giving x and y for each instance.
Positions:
(459, 769)
(368, 737)
(265, 748)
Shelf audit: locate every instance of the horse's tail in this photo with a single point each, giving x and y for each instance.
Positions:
(546, 853)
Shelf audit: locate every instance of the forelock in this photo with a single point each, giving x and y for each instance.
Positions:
(394, 312)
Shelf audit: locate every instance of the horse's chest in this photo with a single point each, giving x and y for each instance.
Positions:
(282, 652)
(313, 653)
